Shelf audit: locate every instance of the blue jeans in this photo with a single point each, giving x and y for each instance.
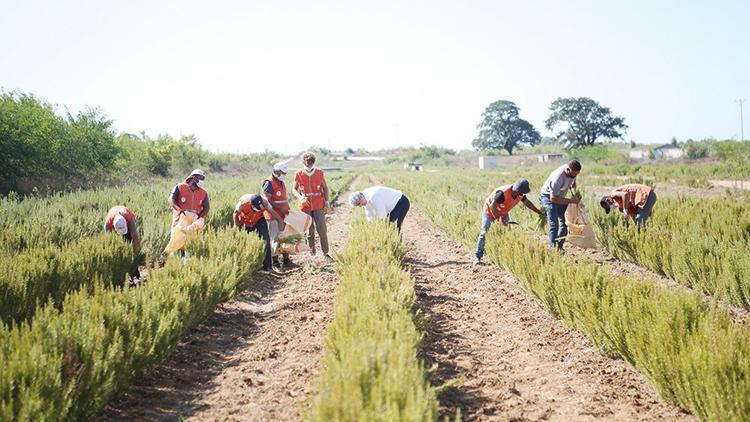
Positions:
(643, 213)
(487, 221)
(556, 221)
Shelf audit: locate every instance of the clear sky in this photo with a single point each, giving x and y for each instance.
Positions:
(284, 75)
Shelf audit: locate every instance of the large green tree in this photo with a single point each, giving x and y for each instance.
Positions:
(583, 121)
(502, 128)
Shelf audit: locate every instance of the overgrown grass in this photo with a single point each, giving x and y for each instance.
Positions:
(371, 366)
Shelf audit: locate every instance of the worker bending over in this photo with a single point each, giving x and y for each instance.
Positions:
(634, 201)
(381, 202)
(248, 215)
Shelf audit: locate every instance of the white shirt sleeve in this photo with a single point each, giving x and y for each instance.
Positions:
(370, 211)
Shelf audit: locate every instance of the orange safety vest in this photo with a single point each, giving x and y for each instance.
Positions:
(311, 186)
(248, 216)
(278, 196)
(637, 195)
(508, 201)
(188, 200)
(109, 221)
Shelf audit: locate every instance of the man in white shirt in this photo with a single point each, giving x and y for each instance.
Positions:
(381, 202)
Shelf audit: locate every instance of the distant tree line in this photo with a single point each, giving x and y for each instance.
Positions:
(41, 148)
(580, 122)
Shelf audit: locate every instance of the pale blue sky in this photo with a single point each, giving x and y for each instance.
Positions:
(284, 75)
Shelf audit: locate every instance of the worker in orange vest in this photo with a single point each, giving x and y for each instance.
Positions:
(190, 198)
(248, 215)
(634, 201)
(274, 191)
(122, 221)
(312, 191)
(498, 205)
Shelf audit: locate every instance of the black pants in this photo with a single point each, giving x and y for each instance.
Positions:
(399, 211)
(261, 227)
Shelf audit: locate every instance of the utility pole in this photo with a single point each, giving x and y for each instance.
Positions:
(742, 120)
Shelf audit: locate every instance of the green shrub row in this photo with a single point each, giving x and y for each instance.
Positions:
(371, 368)
(39, 275)
(66, 364)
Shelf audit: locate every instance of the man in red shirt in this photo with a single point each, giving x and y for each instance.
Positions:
(189, 197)
(311, 190)
(634, 201)
(498, 205)
(248, 214)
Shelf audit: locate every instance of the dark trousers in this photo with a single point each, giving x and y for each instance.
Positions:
(399, 211)
(261, 227)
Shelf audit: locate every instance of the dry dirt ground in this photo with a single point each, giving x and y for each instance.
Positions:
(509, 359)
(256, 357)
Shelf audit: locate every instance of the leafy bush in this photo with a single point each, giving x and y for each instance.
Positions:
(371, 366)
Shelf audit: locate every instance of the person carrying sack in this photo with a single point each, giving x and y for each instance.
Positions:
(190, 199)
(498, 205)
(634, 201)
(554, 190)
(248, 215)
(311, 190)
(274, 192)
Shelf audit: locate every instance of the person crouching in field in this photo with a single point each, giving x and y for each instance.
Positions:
(274, 192)
(634, 201)
(189, 198)
(248, 215)
(122, 221)
(498, 205)
(553, 198)
(311, 190)
(381, 202)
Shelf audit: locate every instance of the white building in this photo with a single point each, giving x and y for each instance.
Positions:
(546, 158)
(490, 162)
(667, 152)
(638, 154)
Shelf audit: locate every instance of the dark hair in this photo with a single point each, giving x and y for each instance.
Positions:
(604, 202)
(574, 165)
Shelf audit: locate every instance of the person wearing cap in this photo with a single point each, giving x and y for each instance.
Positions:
(248, 215)
(189, 197)
(554, 190)
(381, 202)
(634, 201)
(122, 221)
(274, 192)
(311, 190)
(498, 205)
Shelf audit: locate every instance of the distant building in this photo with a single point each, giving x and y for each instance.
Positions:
(638, 154)
(490, 162)
(667, 152)
(544, 158)
(414, 166)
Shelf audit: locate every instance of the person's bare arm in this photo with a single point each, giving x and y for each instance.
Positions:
(236, 219)
(530, 205)
(173, 203)
(563, 200)
(206, 207)
(624, 196)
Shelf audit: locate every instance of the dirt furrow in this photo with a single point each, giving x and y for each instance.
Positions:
(256, 358)
(507, 357)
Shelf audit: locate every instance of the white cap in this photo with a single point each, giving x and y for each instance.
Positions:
(121, 225)
(282, 167)
(198, 172)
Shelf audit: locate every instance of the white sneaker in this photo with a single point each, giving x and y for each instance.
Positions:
(476, 261)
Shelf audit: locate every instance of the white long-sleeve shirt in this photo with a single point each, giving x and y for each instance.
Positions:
(380, 201)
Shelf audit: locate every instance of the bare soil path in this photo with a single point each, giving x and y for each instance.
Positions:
(510, 358)
(256, 358)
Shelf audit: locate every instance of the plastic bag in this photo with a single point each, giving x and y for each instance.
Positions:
(186, 228)
(580, 230)
(291, 239)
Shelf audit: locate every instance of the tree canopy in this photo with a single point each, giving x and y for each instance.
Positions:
(502, 128)
(583, 122)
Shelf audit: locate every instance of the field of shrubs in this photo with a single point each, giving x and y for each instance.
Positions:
(73, 332)
(691, 349)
